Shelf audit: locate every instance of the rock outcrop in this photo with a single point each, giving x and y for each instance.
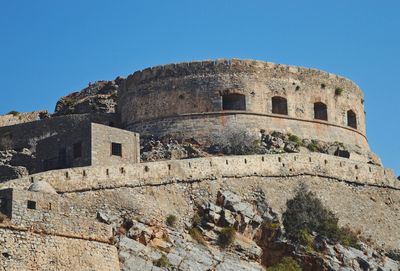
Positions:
(16, 164)
(100, 96)
(258, 240)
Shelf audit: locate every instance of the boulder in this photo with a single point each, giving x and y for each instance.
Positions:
(42, 187)
(291, 147)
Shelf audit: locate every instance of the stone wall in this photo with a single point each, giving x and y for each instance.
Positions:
(50, 214)
(103, 136)
(194, 90)
(85, 145)
(28, 134)
(25, 250)
(156, 173)
(210, 124)
(360, 194)
(18, 118)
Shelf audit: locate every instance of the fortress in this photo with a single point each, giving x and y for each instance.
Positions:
(92, 157)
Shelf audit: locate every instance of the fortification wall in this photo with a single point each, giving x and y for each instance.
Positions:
(27, 134)
(25, 250)
(156, 173)
(58, 221)
(178, 93)
(364, 196)
(206, 124)
(18, 118)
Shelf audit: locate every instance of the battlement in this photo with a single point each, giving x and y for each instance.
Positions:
(234, 65)
(158, 173)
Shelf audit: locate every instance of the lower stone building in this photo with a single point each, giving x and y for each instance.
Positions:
(43, 231)
(89, 144)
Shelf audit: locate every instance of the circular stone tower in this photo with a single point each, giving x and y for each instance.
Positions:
(197, 99)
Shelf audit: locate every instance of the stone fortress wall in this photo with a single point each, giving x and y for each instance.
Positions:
(198, 98)
(155, 173)
(362, 196)
(45, 232)
(18, 118)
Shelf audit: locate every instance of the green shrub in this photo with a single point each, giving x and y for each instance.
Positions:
(171, 220)
(196, 220)
(272, 225)
(339, 91)
(305, 213)
(195, 233)
(236, 141)
(286, 264)
(295, 139)
(163, 262)
(226, 237)
(307, 240)
(349, 238)
(312, 147)
(13, 112)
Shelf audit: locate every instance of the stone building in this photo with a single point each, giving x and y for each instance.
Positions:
(91, 145)
(71, 241)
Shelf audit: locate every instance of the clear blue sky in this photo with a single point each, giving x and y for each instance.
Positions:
(49, 48)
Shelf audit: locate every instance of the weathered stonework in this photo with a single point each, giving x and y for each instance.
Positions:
(45, 232)
(18, 118)
(102, 174)
(187, 99)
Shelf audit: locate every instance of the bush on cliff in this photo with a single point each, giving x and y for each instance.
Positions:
(171, 220)
(226, 237)
(305, 214)
(234, 141)
(286, 264)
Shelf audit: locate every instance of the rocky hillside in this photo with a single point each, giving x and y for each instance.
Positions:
(100, 96)
(232, 233)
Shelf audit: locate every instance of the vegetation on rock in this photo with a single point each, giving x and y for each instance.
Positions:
(306, 215)
(163, 262)
(286, 264)
(171, 220)
(226, 237)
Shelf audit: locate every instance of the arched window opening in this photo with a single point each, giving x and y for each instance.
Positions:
(279, 105)
(351, 119)
(233, 102)
(320, 111)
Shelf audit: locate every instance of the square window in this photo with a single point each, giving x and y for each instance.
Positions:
(31, 205)
(116, 149)
(77, 150)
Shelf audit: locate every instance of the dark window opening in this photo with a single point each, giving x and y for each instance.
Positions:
(279, 105)
(116, 149)
(31, 205)
(351, 119)
(233, 102)
(320, 111)
(77, 150)
(342, 153)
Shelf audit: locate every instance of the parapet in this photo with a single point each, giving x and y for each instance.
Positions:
(189, 170)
